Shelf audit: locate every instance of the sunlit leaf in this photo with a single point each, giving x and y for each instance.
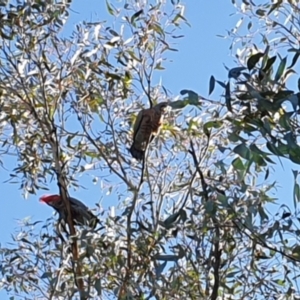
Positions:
(238, 164)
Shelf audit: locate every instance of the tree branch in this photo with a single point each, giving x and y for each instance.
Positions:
(62, 185)
(217, 252)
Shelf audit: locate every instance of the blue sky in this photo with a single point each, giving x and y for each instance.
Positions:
(201, 54)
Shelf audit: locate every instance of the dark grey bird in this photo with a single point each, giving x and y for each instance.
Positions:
(81, 214)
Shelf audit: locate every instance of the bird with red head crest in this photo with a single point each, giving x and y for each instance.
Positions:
(81, 214)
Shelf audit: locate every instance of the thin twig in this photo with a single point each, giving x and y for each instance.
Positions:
(217, 251)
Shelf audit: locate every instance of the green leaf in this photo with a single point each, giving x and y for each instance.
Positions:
(281, 96)
(211, 124)
(267, 174)
(275, 6)
(212, 83)
(253, 60)
(209, 207)
(112, 76)
(135, 16)
(243, 151)
(127, 79)
(46, 275)
(98, 287)
(262, 213)
(160, 268)
(265, 57)
(171, 220)
(269, 64)
(284, 121)
(222, 84)
(192, 96)
(294, 156)
(183, 215)
(283, 148)
(295, 58)
(261, 12)
(178, 104)
(255, 149)
(295, 174)
(296, 251)
(280, 69)
(178, 17)
(268, 159)
(166, 257)
(157, 29)
(272, 148)
(192, 99)
(159, 66)
(132, 54)
(109, 8)
(285, 215)
(114, 33)
(233, 137)
(92, 154)
(291, 141)
(238, 164)
(236, 72)
(258, 159)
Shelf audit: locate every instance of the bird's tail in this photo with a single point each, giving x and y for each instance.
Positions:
(136, 153)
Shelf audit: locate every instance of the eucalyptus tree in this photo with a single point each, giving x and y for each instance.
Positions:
(192, 219)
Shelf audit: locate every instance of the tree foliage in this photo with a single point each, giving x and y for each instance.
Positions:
(197, 225)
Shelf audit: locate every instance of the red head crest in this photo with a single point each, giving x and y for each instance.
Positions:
(49, 198)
